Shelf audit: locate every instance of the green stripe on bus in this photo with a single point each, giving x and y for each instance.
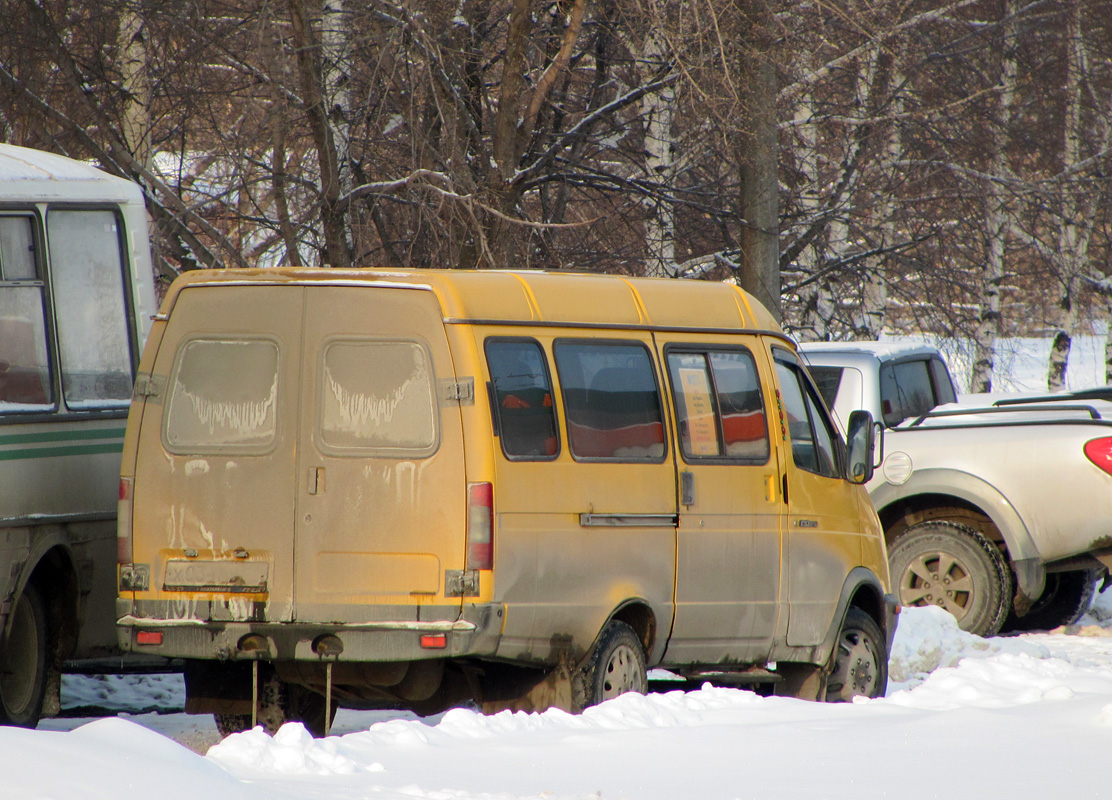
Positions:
(54, 452)
(61, 436)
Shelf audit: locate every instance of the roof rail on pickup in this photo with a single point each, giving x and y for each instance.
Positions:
(1011, 407)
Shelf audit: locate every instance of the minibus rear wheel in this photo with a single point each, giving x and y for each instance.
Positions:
(616, 666)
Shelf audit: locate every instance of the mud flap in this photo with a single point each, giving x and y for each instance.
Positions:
(529, 690)
(803, 681)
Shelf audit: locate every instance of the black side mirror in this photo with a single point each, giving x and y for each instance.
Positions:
(859, 447)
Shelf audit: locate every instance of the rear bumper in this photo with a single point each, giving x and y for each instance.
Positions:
(149, 629)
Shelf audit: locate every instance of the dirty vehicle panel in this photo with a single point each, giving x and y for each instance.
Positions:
(422, 487)
(308, 465)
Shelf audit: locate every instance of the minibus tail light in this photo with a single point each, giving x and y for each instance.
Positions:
(480, 526)
(124, 549)
(1099, 451)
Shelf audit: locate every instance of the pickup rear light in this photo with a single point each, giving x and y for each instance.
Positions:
(124, 550)
(480, 526)
(1099, 451)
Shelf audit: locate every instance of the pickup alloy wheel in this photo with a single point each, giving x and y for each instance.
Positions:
(955, 567)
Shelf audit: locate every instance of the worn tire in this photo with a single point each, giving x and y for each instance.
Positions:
(279, 703)
(615, 666)
(955, 567)
(23, 662)
(860, 660)
(1064, 601)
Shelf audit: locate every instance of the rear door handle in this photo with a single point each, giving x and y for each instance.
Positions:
(316, 480)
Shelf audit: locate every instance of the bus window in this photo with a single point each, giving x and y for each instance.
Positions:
(90, 306)
(24, 365)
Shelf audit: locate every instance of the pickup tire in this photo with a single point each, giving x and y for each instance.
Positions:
(955, 567)
(1064, 601)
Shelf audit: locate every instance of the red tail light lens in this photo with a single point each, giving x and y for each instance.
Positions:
(124, 550)
(434, 641)
(1099, 451)
(480, 526)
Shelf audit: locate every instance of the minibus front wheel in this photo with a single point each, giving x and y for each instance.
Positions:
(860, 660)
(615, 666)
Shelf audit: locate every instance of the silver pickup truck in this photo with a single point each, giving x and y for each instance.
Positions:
(1002, 514)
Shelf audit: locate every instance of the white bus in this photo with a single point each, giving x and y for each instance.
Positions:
(76, 299)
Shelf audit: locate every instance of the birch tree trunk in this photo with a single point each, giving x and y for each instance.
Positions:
(336, 100)
(333, 204)
(658, 111)
(135, 73)
(814, 297)
(1073, 233)
(997, 218)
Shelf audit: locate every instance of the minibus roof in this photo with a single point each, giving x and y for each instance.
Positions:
(536, 297)
(34, 176)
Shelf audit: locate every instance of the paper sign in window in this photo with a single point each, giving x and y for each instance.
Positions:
(701, 427)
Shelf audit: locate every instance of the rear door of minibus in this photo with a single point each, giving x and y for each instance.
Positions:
(303, 458)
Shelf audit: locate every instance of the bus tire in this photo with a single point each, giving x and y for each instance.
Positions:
(23, 661)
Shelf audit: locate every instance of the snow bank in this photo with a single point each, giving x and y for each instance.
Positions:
(929, 638)
(1027, 717)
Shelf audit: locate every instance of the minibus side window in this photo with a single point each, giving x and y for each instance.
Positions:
(87, 269)
(25, 383)
(522, 399)
(611, 400)
(719, 406)
(812, 435)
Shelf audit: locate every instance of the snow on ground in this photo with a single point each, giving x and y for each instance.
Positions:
(965, 717)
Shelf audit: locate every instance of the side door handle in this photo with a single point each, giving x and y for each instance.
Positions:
(316, 480)
(687, 488)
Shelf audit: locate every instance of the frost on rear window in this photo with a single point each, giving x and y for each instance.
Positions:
(378, 396)
(223, 395)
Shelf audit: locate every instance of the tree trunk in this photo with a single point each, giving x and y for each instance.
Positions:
(657, 112)
(333, 204)
(759, 205)
(997, 219)
(1072, 253)
(135, 73)
(336, 100)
